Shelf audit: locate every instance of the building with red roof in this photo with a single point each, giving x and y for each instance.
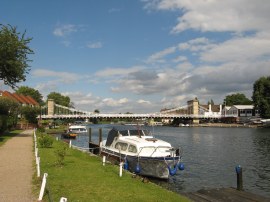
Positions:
(22, 99)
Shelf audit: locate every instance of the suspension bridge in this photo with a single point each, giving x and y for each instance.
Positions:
(190, 111)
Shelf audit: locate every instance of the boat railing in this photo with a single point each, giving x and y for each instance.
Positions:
(155, 149)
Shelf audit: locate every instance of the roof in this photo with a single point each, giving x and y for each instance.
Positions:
(22, 99)
(243, 106)
(214, 108)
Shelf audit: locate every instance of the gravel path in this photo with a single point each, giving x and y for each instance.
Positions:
(16, 169)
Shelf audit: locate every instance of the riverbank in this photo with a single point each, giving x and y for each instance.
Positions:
(83, 178)
(226, 125)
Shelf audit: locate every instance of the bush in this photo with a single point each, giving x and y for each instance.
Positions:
(45, 141)
(60, 155)
(41, 130)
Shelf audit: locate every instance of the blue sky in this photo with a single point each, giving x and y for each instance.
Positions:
(141, 56)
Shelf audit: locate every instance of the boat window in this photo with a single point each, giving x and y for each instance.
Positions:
(122, 146)
(124, 133)
(132, 149)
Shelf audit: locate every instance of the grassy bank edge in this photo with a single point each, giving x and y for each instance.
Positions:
(83, 178)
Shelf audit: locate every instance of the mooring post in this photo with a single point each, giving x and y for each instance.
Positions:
(238, 170)
(103, 160)
(90, 134)
(100, 136)
(120, 169)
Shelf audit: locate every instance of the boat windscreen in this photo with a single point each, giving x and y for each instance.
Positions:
(139, 132)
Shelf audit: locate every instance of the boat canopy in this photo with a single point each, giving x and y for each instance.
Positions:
(125, 131)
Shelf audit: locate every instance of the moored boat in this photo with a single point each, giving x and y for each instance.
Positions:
(141, 152)
(77, 129)
(69, 135)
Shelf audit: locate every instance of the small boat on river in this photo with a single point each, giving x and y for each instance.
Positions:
(69, 135)
(141, 152)
(77, 129)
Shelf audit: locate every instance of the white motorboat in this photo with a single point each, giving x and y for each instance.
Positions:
(141, 153)
(77, 129)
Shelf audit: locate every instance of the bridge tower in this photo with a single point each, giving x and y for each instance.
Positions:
(50, 107)
(193, 108)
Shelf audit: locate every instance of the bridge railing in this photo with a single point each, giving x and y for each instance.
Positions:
(158, 115)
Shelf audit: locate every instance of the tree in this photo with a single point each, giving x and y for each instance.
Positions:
(237, 99)
(211, 102)
(261, 96)
(59, 99)
(35, 94)
(14, 52)
(9, 110)
(96, 111)
(30, 113)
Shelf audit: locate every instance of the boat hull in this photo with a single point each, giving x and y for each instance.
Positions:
(156, 167)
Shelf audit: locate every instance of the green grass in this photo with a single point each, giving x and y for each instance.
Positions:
(84, 178)
(7, 135)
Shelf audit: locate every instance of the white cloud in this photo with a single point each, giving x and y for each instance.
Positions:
(217, 16)
(110, 72)
(159, 56)
(64, 76)
(197, 44)
(114, 103)
(239, 48)
(180, 58)
(144, 102)
(64, 30)
(94, 45)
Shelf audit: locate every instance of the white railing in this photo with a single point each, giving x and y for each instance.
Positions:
(159, 115)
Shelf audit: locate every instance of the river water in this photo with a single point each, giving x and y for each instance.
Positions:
(210, 156)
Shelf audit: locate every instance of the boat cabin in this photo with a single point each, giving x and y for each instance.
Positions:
(136, 142)
(77, 129)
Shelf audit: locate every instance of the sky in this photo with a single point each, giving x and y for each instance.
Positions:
(141, 56)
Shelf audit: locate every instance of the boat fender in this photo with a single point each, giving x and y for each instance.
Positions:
(173, 170)
(138, 168)
(181, 166)
(126, 164)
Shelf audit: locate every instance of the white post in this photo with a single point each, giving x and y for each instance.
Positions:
(70, 143)
(63, 199)
(38, 167)
(36, 152)
(56, 138)
(42, 189)
(35, 146)
(121, 169)
(104, 160)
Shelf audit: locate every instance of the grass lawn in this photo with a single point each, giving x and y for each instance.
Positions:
(7, 135)
(84, 178)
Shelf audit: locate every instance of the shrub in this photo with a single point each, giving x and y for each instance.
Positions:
(45, 141)
(41, 129)
(60, 155)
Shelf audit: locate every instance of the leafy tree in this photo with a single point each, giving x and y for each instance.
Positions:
(35, 94)
(96, 111)
(261, 96)
(9, 110)
(237, 99)
(30, 113)
(14, 50)
(60, 99)
(8, 106)
(211, 102)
